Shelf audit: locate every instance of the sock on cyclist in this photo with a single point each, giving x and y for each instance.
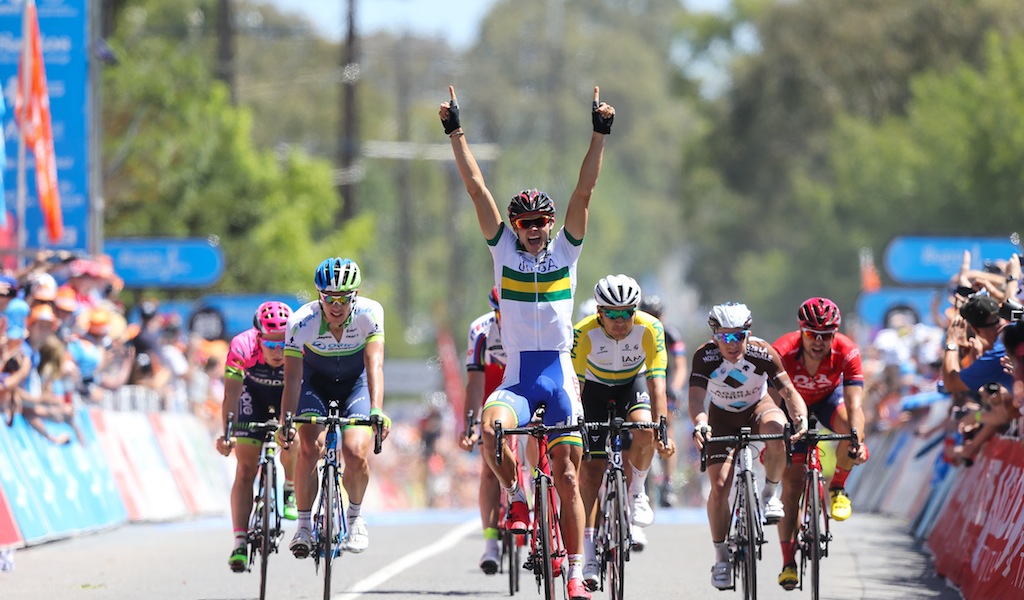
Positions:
(575, 566)
(788, 553)
(515, 493)
(241, 537)
(289, 486)
(491, 533)
(721, 551)
(589, 553)
(305, 520)
(636, 486)
(354, 510)
(839, 478)
(769, 488)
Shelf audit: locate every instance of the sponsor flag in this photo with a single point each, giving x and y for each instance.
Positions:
(32, 112)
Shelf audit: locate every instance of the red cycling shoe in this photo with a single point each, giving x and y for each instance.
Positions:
(518, 518)
(578, 590)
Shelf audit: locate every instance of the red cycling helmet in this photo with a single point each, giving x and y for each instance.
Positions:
(271, 317)
(820, 314)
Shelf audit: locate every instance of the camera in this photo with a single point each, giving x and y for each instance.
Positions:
(1011, 310)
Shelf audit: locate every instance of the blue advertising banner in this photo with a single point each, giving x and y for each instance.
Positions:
(149, 262)
(63, 25)
(874, 307)
(933, 260)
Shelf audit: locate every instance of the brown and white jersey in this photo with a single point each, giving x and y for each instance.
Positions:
(736, 387)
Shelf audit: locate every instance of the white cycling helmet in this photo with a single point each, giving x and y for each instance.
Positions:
(617, 290)
(730, 315)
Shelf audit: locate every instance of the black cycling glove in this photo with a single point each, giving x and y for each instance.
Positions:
(452, 122)
(602, 124)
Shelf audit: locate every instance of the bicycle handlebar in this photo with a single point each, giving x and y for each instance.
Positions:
(744, 438)
(374, 421)
(471, 423)
(229, 426)
(538, 431)
(620, 424)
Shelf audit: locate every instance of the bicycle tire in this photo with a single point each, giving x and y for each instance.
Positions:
(814, 532)
(328, 491)
(544, 531)
(510, 557)
(749, 571)
(268, 489)
(619, 534)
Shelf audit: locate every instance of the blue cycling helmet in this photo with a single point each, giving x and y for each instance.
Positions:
(337, 275)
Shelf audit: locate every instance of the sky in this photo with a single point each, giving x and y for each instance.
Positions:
(455, 20)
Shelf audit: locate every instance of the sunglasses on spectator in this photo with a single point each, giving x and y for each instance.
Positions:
(529, 222)
(342, 299)
(618, 313)
(814, 334)
(273, 345)
(732, 336)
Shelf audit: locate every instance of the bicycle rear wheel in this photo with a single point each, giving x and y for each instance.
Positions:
(510, 558)
(544, 532)
(750, 541)
(268, 489)
(618, 534)
(813, 543)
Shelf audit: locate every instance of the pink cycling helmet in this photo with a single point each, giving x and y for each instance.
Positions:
(819, 313)
(271, 317)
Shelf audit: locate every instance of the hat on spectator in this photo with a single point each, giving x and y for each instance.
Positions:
(981, 311)
(66, 299)
(44, 287)
(43, 312)
(99, 321)
(16, 313)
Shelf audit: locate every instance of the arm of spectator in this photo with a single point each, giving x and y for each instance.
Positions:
(956, 334)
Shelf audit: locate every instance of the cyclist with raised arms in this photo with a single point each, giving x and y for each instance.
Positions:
(485, 367)
(729, 390)
(253, 380)
(536, 273)
(825, 367)
(335, 351)
(611, 348)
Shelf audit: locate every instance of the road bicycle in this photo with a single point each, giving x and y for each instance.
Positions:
(813, 535)
(510, 559)
(612, 538)
(547, 556)
(265, 532)
(330, 527)
(746, 531)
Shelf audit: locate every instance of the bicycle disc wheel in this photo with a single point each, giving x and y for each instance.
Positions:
(544, 531)
(330, 527)
(751, 542)
(618, 533)
(813, 544)
(268, 485)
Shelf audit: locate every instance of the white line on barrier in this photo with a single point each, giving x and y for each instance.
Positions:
(409, 560)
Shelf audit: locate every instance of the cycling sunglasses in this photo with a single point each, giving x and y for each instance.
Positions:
(814, 334)
(273, 345)
(337, 298)
(732, 336)
(618, 313)
(527, 222)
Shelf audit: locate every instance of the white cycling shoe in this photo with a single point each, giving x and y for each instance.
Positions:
(638, 539)
(592, 575)
(358, 537)
(773, 510)
(721, 575)
(302, 544)
(642, 513)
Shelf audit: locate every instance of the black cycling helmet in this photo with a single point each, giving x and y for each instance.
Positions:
(652, 305)
(530, 202)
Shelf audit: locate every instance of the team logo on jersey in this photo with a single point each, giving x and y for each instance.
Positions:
(735, 378)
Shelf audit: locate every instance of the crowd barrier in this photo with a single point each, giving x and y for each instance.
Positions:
(133, 466)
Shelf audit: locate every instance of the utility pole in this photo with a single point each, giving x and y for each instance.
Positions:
(348, 136)
(226, 47)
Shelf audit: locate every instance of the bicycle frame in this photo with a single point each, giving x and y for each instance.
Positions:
(612, 539)
(330, 527)
(813, 534)
(747, 526)
(547, 555)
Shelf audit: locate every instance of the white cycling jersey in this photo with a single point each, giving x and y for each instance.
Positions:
(737, 386)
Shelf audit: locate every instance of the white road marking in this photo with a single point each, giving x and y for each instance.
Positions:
(409, 560)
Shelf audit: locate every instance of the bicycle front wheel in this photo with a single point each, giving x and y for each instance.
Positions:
(814, 538)
(330, 526)
(618, 533)
(268, 489)
(545, 531)
(751, 546)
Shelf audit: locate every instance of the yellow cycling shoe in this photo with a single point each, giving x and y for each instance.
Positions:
(788, 578)
(841, 509)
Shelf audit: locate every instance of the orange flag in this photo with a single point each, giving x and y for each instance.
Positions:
(32, 112)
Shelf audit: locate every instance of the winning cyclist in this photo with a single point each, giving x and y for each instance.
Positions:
(610, 349)
(676, 372)
(825, 367)
(335, 350)
(485, 367)
(731, 372)
(536, 273)
(253, 379)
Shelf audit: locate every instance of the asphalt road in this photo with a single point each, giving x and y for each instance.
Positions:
(432, 554)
